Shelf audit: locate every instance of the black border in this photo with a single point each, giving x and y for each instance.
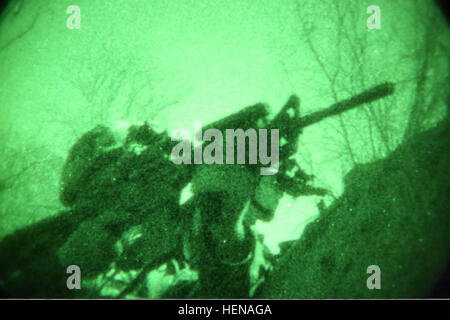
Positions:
(168, 309)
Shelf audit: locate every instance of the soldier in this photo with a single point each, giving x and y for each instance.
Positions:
(228, 201)
(118, 185)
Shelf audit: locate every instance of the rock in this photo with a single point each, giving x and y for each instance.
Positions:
(393, 214)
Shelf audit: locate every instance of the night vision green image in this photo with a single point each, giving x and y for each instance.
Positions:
(260, 149)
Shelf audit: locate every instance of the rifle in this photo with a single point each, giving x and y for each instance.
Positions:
(291, 126)
(267, 189)
(368, 96)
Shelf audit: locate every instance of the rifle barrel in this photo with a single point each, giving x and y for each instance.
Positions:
(375, 93)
